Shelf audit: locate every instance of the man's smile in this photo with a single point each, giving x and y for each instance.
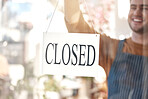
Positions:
(137, 20)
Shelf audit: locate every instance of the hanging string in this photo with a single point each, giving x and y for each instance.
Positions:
(55, 11)
(52, 16)
(91, 20)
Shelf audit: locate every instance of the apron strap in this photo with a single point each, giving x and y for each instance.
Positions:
(121, 44)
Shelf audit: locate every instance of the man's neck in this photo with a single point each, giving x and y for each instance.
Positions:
(140, 38)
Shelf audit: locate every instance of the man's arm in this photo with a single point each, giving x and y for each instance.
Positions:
(71, 11)
(74, 19)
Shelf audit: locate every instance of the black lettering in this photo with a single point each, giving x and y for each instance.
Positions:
(63, 54)
(74, 54)
(88, 64)
(56, 55)
(82, 54)
(46, 53)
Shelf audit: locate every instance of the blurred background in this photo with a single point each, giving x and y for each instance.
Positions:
(22, 23)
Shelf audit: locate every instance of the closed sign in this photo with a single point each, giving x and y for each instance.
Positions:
(70, 54)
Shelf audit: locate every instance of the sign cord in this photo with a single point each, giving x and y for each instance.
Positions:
(91, 21)
(52, 16)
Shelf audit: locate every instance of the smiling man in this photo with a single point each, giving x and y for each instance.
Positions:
(125, 61)
(138, 20)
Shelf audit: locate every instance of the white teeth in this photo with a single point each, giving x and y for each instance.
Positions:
(137, 20)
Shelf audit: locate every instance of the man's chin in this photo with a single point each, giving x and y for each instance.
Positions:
(137, 30)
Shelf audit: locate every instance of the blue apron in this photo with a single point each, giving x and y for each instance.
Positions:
(128, 77)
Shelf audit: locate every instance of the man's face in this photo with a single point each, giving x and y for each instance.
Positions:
(138, 16)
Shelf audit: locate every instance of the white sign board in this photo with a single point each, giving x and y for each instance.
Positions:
(71, 54)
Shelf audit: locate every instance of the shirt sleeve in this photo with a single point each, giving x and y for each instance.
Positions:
(81, 26)
(107, 52)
